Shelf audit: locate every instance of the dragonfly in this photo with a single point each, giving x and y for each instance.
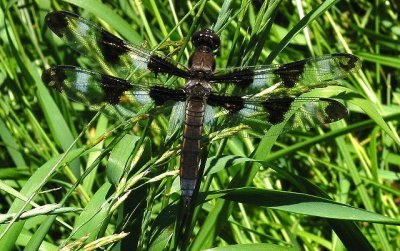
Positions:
(201, 96)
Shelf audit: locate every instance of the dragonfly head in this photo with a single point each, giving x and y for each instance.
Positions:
(206, 37)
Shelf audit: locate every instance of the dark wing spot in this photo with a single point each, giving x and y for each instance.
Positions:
(54, 78)
(231, 103)
(277, 109)
(290, 73)
(242, 78)
(160, 94)
(112, 47)
(158, 64)
(351, 61)
(114, 88)
(335, 110)
(57, 22)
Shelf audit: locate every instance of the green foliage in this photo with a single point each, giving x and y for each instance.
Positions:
(71, 176)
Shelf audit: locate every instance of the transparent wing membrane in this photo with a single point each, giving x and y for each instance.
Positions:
(115, 56)
(292, 78)
(97, 90)
(290, 114)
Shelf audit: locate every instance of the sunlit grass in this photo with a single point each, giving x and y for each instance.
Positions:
(109, 177)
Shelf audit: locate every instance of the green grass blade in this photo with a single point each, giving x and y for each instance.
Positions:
(302, 204)
(306, 20)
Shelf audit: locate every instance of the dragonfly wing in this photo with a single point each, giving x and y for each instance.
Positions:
(115, 56)
(96, 90)
(289, 113)
(300, 76)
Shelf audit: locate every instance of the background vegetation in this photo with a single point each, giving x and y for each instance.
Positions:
(79, 178)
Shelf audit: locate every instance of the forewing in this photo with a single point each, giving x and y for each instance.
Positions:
(115, 56)
(292, 78)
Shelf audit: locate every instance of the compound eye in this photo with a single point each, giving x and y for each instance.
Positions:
(206, 37)
(216, 41)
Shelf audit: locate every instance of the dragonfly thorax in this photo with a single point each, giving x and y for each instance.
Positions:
(202, 61)
(197, 89)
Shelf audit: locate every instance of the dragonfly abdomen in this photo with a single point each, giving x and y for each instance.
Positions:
(191, 147)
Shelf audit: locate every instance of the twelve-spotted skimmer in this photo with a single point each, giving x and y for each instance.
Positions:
(269, 93)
